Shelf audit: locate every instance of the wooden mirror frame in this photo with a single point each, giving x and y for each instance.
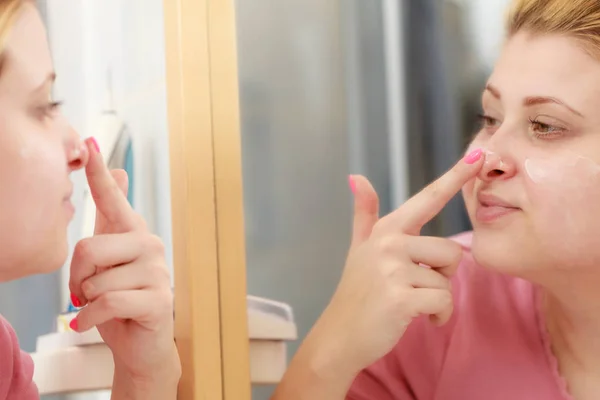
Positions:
(207, 208)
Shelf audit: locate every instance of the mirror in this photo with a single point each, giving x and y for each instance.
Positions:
(139, 77)
(239, 122)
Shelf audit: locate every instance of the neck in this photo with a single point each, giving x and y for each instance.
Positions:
(572, 309)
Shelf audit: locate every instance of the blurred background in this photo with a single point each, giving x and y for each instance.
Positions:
(385, 88)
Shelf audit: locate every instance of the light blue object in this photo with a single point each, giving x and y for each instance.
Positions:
(71, 308)
(121, 157)
(128, 167)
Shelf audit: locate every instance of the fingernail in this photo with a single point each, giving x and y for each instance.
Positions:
(352, 184)
(473, 156)
(73, 324)
(75, 301)
(95, 143)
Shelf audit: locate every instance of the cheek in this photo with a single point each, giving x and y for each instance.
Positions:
(33, 176)
(564, 197)
(42, 172)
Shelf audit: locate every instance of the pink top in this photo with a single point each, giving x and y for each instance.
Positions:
(495, 347)
(16, 367)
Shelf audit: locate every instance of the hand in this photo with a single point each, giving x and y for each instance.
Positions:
(121, 277)
(385, 283)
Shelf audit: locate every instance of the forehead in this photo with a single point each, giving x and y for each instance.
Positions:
(28, 61)
(548, 65)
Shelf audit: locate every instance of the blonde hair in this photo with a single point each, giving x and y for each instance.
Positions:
(9, 10)
(579, 19)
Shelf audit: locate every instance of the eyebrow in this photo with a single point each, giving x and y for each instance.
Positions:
(534, 100)
(51, 77)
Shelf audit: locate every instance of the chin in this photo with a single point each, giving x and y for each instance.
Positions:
(503, 251)
(48, 260)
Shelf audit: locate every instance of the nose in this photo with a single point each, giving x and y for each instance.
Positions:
(77, 152)
(497, 167)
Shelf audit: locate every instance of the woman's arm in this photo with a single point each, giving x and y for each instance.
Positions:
(163, 386)
(318, 371)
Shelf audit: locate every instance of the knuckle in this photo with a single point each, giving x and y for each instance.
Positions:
(168, 300)
(110, 302)
(164, 304)
(153, 244)
(159, 272)
(83, 249)
(445, 299)
(87, 288)
(399, 296)
(380, 227)
(141, 222)
(456, 255)
(388, 245)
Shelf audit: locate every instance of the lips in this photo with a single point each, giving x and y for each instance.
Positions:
(68, 205)
(489, 200)
(68, 195)
(491, 208)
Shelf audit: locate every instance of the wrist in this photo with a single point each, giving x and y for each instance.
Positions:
(160, 383)
(126, 387)
(315, 373)
(328, 357)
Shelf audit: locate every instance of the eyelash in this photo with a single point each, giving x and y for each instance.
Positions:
(54, 105)
(486, 121)
(49, 109)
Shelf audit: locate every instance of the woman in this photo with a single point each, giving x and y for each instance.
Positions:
(511, 310)
(130, 304)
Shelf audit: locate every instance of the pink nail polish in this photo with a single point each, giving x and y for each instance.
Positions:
(352, 184)
(75, 301)
(73, 324)
(95, 143)
(473, 156)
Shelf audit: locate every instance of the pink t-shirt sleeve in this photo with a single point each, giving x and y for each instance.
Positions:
(16, 367)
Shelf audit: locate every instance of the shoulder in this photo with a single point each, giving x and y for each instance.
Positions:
(16, 367)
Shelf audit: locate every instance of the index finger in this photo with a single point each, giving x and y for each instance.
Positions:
(109, 198)
(425, 205)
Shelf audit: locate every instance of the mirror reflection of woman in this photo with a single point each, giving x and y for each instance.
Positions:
(512, 309)
(119, 277)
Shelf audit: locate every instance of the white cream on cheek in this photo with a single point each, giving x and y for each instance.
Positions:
(563, 191)
(554, 170)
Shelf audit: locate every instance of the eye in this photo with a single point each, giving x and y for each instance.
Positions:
(488, 122)
(48, 110)
(53, 107)
(544, 130)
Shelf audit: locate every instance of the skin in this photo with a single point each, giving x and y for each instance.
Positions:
(539, 242)
(548, 173)
(36, 145)
(119, 274)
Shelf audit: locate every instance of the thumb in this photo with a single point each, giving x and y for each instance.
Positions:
(366, 208)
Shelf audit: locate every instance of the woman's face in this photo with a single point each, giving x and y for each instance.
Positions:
(38, 151)
(541, 132)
